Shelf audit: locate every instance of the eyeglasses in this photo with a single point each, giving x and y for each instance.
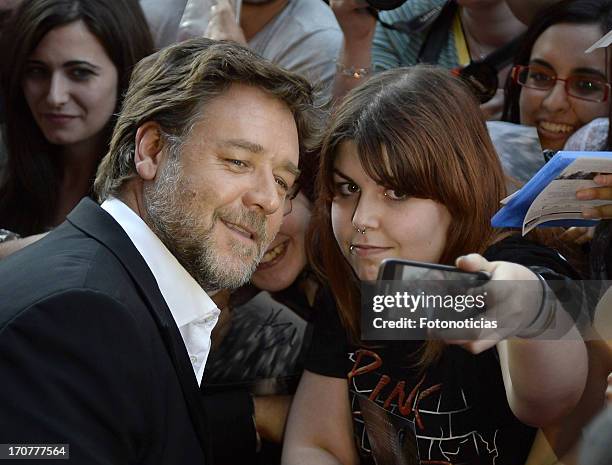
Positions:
(583, 87)
(292, 194)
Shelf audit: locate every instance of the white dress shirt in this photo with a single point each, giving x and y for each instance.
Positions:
(193, 310)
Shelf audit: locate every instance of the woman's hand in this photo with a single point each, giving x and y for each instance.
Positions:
(356, 22)
(514, 300)
(11, 246)
(603, 192)
(223, 24)
(492, 110)
(513, 297)
(578, 235)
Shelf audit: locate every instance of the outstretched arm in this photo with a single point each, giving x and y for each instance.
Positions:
(544, 379)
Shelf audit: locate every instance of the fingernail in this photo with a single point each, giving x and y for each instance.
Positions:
(599, 179)
(583, 195)
(589, 213)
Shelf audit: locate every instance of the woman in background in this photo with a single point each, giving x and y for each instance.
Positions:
(555, 86)
(65, 68)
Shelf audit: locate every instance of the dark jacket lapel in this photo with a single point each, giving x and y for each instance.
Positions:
(97, 223)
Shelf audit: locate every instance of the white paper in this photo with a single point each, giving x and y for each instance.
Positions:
(558, 200)
(601, 43)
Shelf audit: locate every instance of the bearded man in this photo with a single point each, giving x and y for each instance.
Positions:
(105, 323)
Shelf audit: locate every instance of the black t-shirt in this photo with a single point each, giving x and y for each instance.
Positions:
(457, 408)
(265, 345)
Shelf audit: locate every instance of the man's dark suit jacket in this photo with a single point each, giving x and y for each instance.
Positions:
(90, 354)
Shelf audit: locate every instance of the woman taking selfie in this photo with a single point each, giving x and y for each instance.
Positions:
(408, 171)
(64, 74)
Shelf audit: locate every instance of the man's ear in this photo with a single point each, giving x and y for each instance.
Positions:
(148, 151)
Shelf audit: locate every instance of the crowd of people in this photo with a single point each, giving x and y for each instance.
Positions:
(191, 221)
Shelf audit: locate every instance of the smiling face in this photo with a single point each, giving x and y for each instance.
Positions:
(70, 85)
(286, 257)
(218, 207)
(396, 226)
(560, 49)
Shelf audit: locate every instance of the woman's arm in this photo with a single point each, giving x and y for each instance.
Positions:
(544, 379)
(358, 27)
(319, 428)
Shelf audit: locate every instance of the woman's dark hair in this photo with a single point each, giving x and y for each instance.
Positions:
(29, 188)
(567, 11)
(174, 85)
(309, 165)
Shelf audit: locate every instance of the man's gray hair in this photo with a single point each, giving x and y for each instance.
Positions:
(172, 87)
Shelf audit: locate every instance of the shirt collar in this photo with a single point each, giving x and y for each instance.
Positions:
(185, 298)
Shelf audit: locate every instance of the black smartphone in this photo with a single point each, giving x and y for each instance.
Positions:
(427, 290)
(395, 269)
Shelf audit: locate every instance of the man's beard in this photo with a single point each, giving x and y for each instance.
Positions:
(171, 216)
